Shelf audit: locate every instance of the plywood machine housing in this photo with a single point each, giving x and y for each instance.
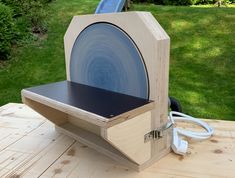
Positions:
(115, 98)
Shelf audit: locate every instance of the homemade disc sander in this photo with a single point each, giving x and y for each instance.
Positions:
(115, 97)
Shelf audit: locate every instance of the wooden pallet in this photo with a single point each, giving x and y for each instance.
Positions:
(31, 147)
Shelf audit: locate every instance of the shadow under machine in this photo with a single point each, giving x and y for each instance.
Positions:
(115, 98)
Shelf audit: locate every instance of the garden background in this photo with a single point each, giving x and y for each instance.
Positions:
(202, 59)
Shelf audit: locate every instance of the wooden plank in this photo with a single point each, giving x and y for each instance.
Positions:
(64, 157)
(20, 117)
(19, 111)
(37, 153)
(36, 163)
(20, 125)
(17, 120)
(40, 161)
(22, 151)
(11, 139)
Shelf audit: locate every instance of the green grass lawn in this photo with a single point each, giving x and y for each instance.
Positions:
(202, 70)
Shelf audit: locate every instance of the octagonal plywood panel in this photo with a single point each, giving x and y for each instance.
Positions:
(134, 52)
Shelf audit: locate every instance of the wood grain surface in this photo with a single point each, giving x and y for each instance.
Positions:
(30, 147)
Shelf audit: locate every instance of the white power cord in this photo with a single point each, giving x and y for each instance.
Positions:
(180, 146)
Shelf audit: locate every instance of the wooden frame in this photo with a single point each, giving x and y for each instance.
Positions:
(122, 137)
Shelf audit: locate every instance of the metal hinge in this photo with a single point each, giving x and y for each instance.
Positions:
(153, 135)
(158, 133)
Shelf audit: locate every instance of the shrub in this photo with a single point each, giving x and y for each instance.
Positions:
(35, 12)
(6, 30)
(204, 2)
(179, 2)
(168, 2)
(32, 10)
(14, 4)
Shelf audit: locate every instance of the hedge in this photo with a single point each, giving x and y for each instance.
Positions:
(181, 2)
(6, 30)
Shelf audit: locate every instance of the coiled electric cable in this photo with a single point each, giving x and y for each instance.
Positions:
(180, 146)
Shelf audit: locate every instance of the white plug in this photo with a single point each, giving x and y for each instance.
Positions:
(178, 145)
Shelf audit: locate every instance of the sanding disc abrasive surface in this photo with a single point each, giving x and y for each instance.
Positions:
(104, 56)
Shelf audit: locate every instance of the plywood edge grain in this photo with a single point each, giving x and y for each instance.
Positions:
(84, 115)
(130, 114)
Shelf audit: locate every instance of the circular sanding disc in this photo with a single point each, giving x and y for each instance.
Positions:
(104, 56)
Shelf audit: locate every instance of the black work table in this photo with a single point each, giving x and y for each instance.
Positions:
(98, 101)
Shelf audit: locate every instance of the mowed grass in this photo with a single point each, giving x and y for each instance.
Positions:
(202, 70)
(41, 61)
